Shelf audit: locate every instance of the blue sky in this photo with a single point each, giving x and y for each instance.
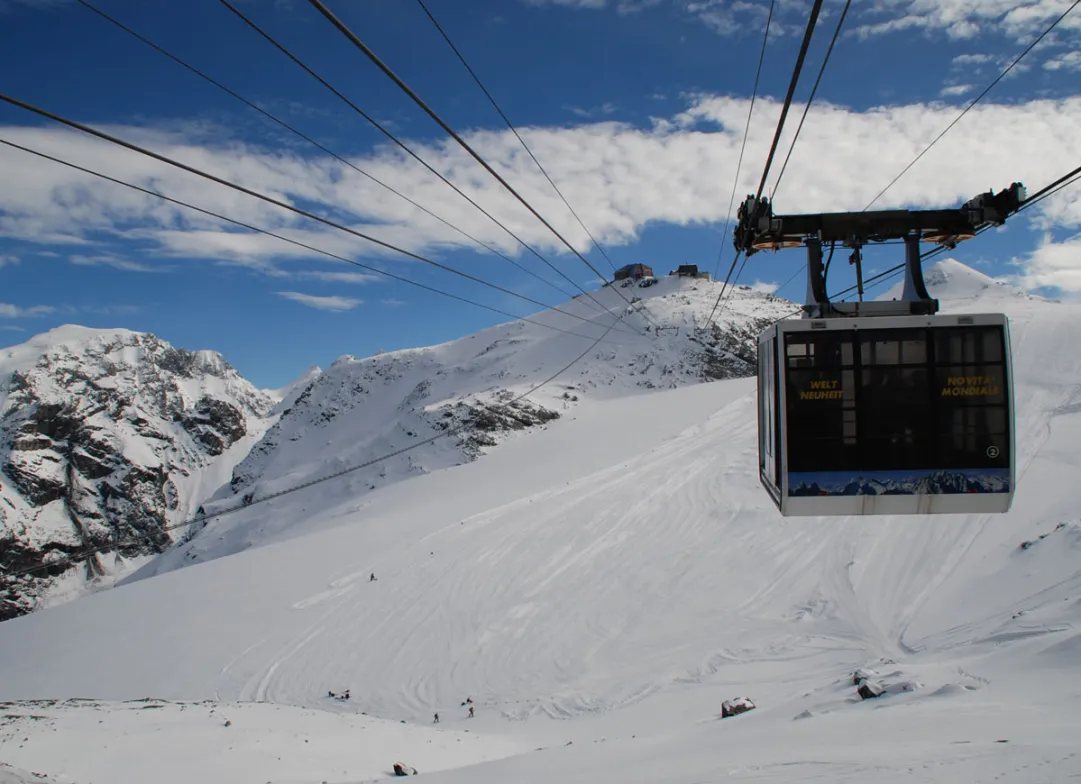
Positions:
(635, 107)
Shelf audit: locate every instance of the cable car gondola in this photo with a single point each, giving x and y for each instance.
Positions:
(883, 407)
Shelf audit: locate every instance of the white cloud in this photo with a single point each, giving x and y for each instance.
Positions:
(966, 60)
(965, 19)
(571, 3)
(598, 111)
(1068, 61)
(765, 287)
(622, 6)
(334, 304)
(620, 178)
(15, 311)
(955, 89)
(724, 17)
(1055, 264)
(11, 328)
(6, 261)
(392, 302)
(339, 277)
(112, 260)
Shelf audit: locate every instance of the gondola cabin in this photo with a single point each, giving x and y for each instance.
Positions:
(887, 415)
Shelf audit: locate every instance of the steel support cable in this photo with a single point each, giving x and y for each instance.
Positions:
(304, 245)
(869, 283)
(731, 290)
(405, 148)
(1047, 191)
(811, 97)
(742, 148)
(1054, 187)
(728, 277)
(875, 280)
(974, 101)
(791, 91)
(514, 130)
(269, 200)
(311, 483)
(313, 142)
(815, 9)
(349, 34)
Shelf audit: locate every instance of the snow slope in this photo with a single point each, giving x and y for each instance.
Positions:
(109, 435)
(606, 583)
(358, 409)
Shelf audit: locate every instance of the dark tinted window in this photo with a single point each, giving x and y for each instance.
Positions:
(897, 399)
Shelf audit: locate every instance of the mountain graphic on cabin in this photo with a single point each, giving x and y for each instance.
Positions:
(916, 482)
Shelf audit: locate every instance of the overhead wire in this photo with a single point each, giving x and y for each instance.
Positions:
(298, 243)
(203, 518)
(975, 101)
(263, 197)
(405, 148)
(796, 70)
(268, 115)
(811, 97)
(366, 50)
(1062, 182)
(743, 146)
(514, 130)
(808, 33)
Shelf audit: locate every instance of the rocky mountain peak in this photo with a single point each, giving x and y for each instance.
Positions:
(109, 436)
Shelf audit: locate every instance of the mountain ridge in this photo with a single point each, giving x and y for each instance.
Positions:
(108, 436)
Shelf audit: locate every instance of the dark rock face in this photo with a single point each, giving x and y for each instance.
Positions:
(731, 352)
(476, 425)
(99, 437)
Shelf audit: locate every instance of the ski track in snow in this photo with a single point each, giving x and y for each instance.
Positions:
(599, 588)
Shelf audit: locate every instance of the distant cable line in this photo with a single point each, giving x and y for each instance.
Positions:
(303, 486)
(808, 33)
(514, 130)
(313, 142)
(974, 101)
(1051, 189)
(796, 70)
(811, 97)
(240, 188)
(742, 148)
(305, 245)
(349, 34)
(378, 126)
(776, 137)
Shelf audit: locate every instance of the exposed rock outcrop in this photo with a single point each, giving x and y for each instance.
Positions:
(105, 435)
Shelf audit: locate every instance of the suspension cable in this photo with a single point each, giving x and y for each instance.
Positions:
(811, 97)
(742, 148)
(314, 143)
(514, 130)
(974, 101)
(791, 91)
(815, 9)
(213, 178)
(304, 245)
(405, 148)
(349, 34)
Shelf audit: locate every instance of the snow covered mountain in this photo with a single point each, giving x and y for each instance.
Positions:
(358, 409)
(598, 589)
(109, 436)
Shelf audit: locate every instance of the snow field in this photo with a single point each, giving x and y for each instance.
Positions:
(607, 582)
(181, 743)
